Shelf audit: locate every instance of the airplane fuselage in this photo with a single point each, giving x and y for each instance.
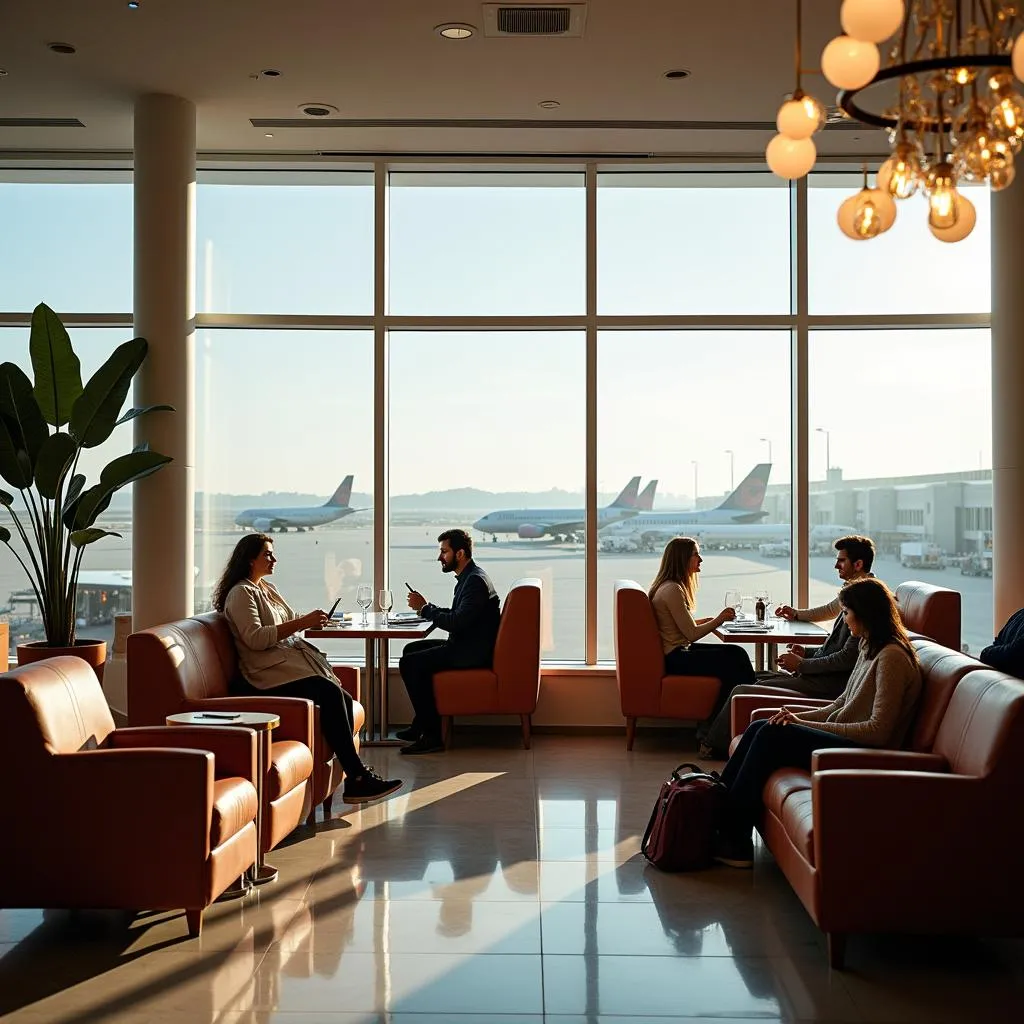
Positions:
(539, 522)
(279, 518)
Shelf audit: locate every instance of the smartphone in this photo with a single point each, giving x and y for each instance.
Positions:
(330, 614)
(407, 587)
(218, 714)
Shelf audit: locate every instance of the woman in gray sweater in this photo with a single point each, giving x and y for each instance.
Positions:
(875, 710)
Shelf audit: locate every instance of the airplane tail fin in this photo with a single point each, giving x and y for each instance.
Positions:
(340, 498)
(645, 499)
(628, 497)
(749, 496)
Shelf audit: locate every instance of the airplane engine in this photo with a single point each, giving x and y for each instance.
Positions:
(529, 532)
(262, 525)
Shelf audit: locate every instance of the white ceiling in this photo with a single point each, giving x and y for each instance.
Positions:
(381, 61)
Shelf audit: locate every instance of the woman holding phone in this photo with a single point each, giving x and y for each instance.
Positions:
(274, 659)
(875, 710)
(673, 596)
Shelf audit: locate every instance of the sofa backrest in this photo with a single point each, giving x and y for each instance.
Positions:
(941, 670)
(517, 648)
(982, 732)
(54, 706)
(638, 653)
(190, 659)
(932, 611)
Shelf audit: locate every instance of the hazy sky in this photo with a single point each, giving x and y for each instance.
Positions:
(292, 411)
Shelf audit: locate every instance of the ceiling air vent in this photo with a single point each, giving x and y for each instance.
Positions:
(40, 122)
(534, 19)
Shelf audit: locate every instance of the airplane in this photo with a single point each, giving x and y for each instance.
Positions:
(531, 523)
(269, 519)
(650, 532)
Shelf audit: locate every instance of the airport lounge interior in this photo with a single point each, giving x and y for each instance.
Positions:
(428, 697)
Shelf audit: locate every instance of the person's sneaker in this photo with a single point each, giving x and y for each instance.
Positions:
(410, 735)
(424, 745)
(735, 852)
(368, 786)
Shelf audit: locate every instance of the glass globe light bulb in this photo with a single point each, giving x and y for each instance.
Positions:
(1000, 82)
(866, 221)
(900, 175)
(1002, 176)
(942, 196)
(800, 117)
(885, 206)
(854, 218)
(966, 218)
(1018, 57)
(790, 158)
(1007, 116)
(871, 21)
(849, 63)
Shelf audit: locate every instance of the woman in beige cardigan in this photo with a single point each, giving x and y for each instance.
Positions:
(875, 710)
(273, 658)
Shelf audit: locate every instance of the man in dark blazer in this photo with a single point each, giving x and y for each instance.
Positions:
(472, 625)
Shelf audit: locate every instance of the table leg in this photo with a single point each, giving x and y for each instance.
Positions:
(371, 694)
(381, 683)
(262, 872)
(773, 656)
(758, 657)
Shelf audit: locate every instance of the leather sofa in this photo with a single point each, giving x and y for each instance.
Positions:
(644, 689)
(117, 818)
(931, 612)
(192, 664)
(896, 840)
(511, 686)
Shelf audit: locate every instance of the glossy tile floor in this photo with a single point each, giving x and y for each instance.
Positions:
(500, 886)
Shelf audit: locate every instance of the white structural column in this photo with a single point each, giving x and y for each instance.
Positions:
(163, 506)
(1007, 406)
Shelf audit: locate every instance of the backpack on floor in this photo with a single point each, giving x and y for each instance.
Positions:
(681, 833)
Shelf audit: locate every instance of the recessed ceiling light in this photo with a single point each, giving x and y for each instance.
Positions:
(270, 73)
(549, 104)
(268, 135)
(677, 73)
(61, 47)
(455, 30)
(3, 72)
(134, 5)
(317, 109)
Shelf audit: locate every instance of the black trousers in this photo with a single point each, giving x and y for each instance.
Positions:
(763, 750)
(422, 658)
(336, 718)
(727, 662)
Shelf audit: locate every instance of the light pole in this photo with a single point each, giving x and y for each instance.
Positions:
(732, 466)
(768, 441)
(693, 462)
(828, 455)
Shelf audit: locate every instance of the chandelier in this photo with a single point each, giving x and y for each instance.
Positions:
(947, 97)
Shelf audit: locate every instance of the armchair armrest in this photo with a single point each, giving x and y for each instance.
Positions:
(348, 677)
(233, 748)
(743, 705)
(296, 713)
(833, 758)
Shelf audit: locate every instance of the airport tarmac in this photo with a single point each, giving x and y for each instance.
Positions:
(317, 566)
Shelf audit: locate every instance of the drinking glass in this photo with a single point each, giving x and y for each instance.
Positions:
(734, 600)
(385, 600)
(364, 598)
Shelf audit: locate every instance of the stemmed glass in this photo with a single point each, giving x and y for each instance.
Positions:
(364, 598)
(733, 599)
(385, 600)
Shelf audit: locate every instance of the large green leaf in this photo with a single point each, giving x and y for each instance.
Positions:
(95, 413)
(133, 414)
(19, 408)
(82, 537)
(55, 457)
(57, 370)
(7, 500)
(12, 469)
(74, 489)
(124, 470)
(5, 535)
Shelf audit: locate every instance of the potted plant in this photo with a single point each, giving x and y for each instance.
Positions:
(44, 427)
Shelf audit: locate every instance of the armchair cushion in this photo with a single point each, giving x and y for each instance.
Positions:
(782, 785)
(291, 763)
(870, 757)
(234, 806)
(234, 749)
(797, 819)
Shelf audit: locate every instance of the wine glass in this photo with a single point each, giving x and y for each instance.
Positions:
(734, 600)
(364, 598)
(386, 600)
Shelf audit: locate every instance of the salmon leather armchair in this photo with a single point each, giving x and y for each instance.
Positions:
(109, 818)
(645, 691)
(511, 686)
(192, 665)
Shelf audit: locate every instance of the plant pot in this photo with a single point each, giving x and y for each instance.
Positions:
(92, 651)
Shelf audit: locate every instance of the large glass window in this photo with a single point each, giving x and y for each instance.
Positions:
(703, 417)
(689, 243)
(902, 420)
(487, 244)
(302, 246)
(487, 433)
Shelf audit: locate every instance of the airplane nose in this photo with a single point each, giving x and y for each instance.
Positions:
(479, 524)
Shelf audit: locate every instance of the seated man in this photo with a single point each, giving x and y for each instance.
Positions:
(472, 625)
(823, 672)
(1006, 653)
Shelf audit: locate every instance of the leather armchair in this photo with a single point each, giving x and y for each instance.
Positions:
(191, 665)
(145, 820)
(512, 685)
(930, 612)
(644, 689)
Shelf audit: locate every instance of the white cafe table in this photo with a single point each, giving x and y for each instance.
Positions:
(377, 632)
(780, 631)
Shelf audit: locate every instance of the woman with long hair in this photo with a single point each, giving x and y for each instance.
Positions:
(875, 710)
(673, 596)
(274, 659)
